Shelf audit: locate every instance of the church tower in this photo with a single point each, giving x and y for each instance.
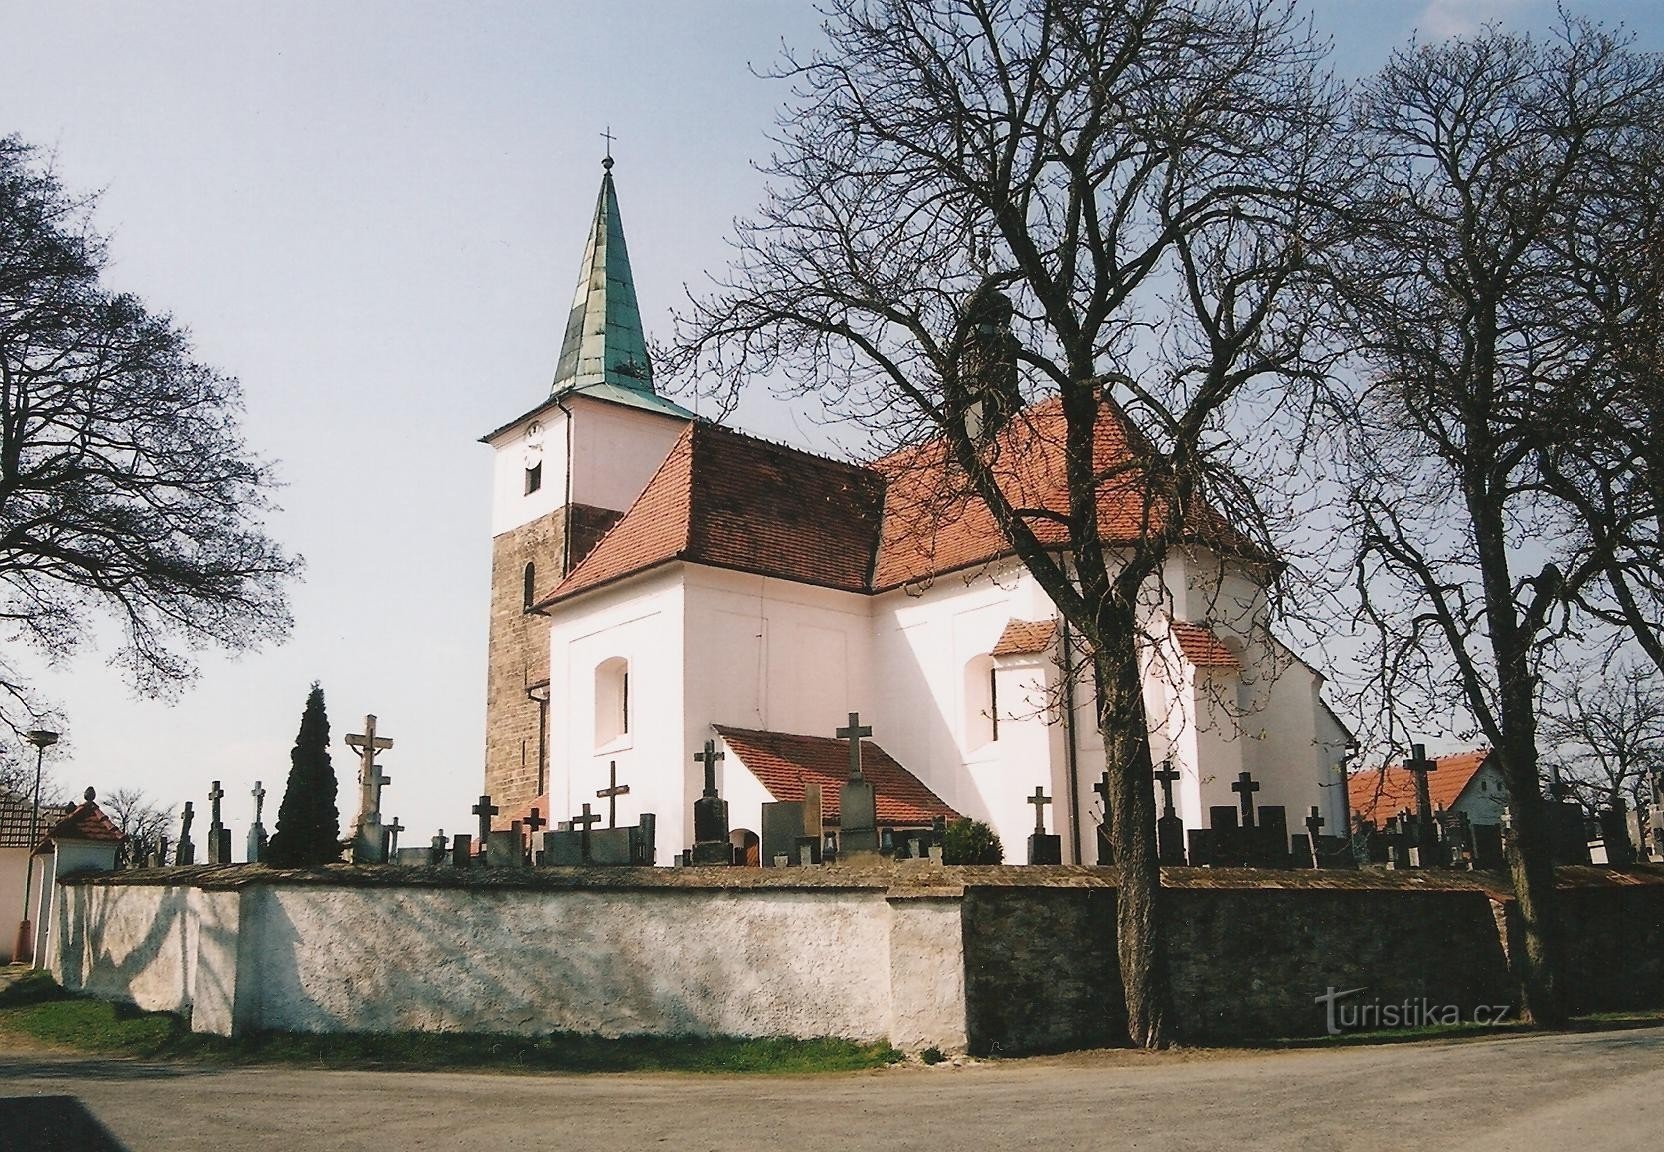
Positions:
(562, 474)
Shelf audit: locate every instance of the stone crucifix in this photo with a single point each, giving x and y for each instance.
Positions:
(215, 795)
(853, 733)
(1166, 775)
(1039, 800)
(370, 779)
(259, 795)
(709, 757)
(1419, 765)
(612, 792)
(485, 810)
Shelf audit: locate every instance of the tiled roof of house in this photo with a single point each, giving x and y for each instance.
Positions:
(728, 500)
(1376, 794)
(85, 821)
(14, 821)
(1026, 637)
(1202, 647)
(784, 762)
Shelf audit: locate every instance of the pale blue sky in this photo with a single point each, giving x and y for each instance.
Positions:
(372, 214)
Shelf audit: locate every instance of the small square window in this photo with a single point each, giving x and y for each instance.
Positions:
(534, 478)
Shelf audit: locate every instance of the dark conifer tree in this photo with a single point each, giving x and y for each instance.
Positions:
(308, 824)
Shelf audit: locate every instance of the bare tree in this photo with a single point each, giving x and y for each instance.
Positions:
(1605, 735)
(980, 204)
(141, 822)
(126, 491)
(1482, 153)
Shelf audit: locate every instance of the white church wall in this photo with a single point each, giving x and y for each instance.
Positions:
(616, 450)
(1291, 762)
(638, 621)
(514, 451)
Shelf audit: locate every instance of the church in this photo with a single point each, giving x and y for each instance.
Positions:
(659, 581)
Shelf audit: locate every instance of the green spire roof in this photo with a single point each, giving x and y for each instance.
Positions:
(604, 341)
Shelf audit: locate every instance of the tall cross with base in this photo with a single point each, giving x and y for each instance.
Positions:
(1418, 765)
(612, 792)
(215, 795)
(1039, 800)
(259, 795)
(853, 734)
(1245, 787)
(485, 810)
(1165, 776)
(709, 757)
(370, 779)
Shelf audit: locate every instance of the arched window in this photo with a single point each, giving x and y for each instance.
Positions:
(528, 587)
(612, 700)
(982, 716)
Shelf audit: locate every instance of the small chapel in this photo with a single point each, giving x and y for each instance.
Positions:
(660, 581)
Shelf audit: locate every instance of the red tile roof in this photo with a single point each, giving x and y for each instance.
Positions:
(15, 821)
(1377, 794)
(784, 762)
(1201, 647)
(728, 500)
(85, 821)
(1026, 637)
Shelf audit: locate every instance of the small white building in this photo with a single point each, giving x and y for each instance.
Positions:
(741, 591)
(81, 840)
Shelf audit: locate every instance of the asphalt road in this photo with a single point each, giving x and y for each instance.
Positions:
(1592, 1092)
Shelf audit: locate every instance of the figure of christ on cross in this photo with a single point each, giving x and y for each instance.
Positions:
(612, 792)
(1039, 800)
(370, 779)
(709, 757)
(853, 734)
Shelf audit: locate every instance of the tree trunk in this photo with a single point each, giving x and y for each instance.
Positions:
(1140, 940)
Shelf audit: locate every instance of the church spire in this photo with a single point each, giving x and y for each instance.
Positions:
(604, 341)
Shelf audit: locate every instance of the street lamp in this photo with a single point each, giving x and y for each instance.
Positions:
(24, 952)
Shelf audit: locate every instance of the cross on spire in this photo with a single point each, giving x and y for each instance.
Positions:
(853, 733)
(612, 792)
(1245, 787)
(709, 757)
(1165, 776)
(1039, 800)
(609, 138)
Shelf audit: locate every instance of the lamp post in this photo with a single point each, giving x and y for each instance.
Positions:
(24, 952)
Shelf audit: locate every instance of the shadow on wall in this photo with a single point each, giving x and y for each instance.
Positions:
(94, 965)
(53, 1124)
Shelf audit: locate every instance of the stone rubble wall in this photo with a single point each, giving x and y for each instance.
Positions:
(1002, 961)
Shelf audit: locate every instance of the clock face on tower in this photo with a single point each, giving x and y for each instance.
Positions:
(534, 442)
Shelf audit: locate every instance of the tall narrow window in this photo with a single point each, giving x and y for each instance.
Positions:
(534, 477)
(612, 700)
(994, 702)
(528, 587)
(982, 724)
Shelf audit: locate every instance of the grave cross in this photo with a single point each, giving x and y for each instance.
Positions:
(1314, 826)
(1245, 787)
(1039, 800)
(393, 831)
(709, 757)
(1418, 765)
(485, 810)
(370, 779)
(185, 821)
(853, 734)
(1165, 776)
(259, 795)
(534, 821)
(583, 823)
(215, 795)
(612, 792)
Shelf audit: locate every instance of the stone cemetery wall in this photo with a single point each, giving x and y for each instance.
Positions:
(993, 960)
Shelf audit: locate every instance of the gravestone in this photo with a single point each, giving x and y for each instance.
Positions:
(185, 853)
(1397, 842)
(1635, 829)
(611, 847)
(646, 842)
(710, 814)
(1614, 834)
(1228, 849)
(1270, 837)
(439, 849)
(1421, 835)
(369, 844)
(219, 836)
(1570, 838)
(1043, 848)
(1201, 847)
(1169, 826)
(504, 850)
(809, 837)
(257, 832)
(1334, 852)
(782, 830)
(1488, 854)
(413, 857)
(462, 850)
(1314, 830)
(1300, 851)
(563, 848)
(857, 802)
